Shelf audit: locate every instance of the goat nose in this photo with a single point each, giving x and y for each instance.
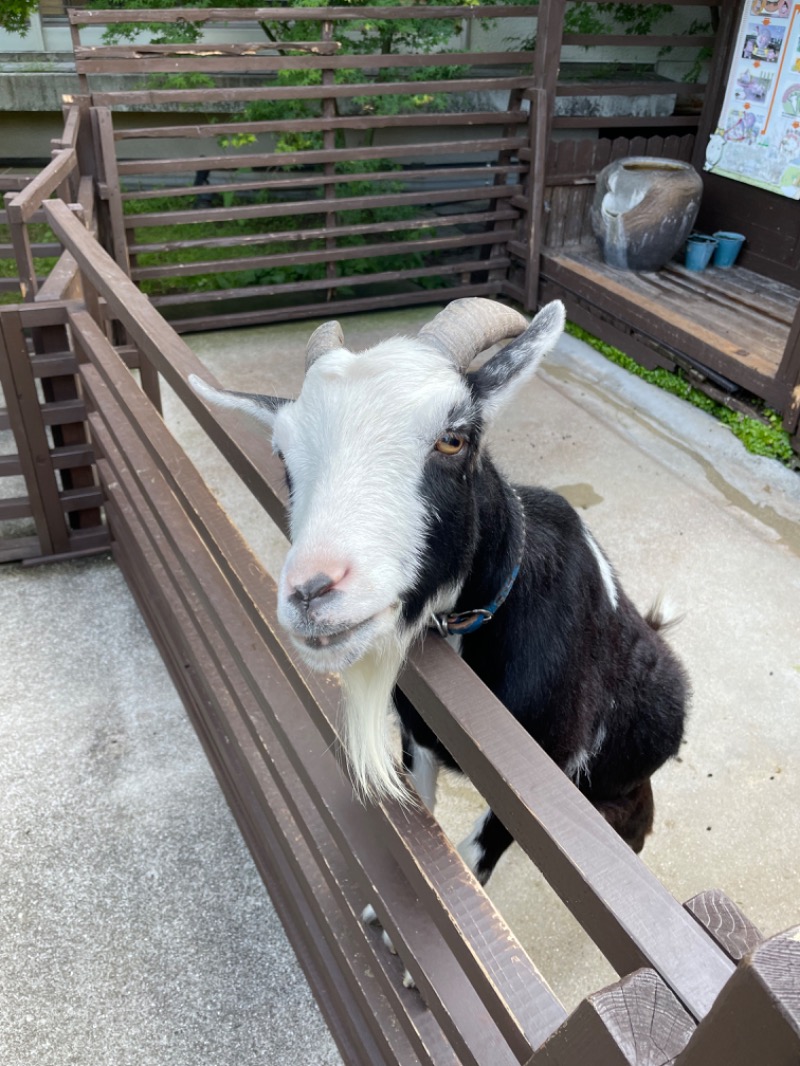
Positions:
(314, 589)
(316, 586)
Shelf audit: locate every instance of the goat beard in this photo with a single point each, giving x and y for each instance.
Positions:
(368, 734)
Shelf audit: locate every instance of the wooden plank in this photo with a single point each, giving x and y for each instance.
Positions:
(624, 908)
(440, 270)
(675, 327)
(312, 125)
(15, 507)
(23, 206)
(176, 477)
(231, 94)
(293, 857)
(273, 64)
(377, 200)
(108, 172)
(636, 1021)
(209, 49)
(327, 255)
(253, 240)
(287, 159)
(348, 305)
(23, 253)
(27, 422)
(757, 1016)
(299, 181)
(108, 16)
(722, 919)
(534, 196)
(565, 122)
(260, 782)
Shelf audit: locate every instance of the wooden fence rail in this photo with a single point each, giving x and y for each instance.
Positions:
(270, 731)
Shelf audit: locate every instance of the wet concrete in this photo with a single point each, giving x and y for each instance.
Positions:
(135, 928)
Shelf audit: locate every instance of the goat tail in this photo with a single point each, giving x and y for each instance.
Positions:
(663, 615)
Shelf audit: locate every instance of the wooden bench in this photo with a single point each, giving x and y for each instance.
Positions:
(731, 328)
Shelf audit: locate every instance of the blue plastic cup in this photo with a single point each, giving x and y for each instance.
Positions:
(728, 247)
(699, 249)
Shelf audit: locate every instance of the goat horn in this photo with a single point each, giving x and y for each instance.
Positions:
(467, 327)
(325, 338)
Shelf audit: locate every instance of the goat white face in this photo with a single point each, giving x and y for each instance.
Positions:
(357, 445)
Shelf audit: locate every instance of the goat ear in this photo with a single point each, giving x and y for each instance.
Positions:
(254, 408)
(500, 377)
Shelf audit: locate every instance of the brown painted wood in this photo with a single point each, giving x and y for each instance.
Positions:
(232, 94)
(636, 1022)
(757, 1016)
(332, 122)
(266, 159)
(337, 255)
(443, 271)
(265, 64)
(722, 919)
(27, 423)
(21, 208)
(653, 306)
(629, 915)
(224, 622)
(294, 180)
(87, 17)
(253, 240)
(429, 878)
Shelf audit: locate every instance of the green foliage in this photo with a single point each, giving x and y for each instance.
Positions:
(761, 436)
(38, 232)
(637, 19)
(361, 37)
(14, 15)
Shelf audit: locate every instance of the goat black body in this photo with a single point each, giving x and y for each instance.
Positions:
(589, 678)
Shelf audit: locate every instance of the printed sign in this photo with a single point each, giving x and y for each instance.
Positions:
(757, 139)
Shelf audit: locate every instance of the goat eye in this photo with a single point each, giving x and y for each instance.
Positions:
(450, 444)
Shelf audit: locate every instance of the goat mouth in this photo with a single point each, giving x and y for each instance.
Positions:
(322, 641)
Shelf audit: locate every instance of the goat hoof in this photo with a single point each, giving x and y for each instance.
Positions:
(408, 980)
(388, 942)
(368, 915)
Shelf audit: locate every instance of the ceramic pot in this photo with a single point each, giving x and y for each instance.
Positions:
(643, 210)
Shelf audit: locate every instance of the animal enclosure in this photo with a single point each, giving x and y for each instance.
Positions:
(270, 730)
(698, 986)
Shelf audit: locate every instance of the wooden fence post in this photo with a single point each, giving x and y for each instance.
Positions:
(635, 1022)
(756, 1018)
(25, 418)
(535, 193)
(21, 243)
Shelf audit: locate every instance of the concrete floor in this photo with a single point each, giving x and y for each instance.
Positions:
(134, 927)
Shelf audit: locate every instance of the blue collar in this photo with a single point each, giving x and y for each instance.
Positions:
(459, 623)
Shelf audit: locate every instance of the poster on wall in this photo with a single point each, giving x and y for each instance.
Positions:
(757, 139)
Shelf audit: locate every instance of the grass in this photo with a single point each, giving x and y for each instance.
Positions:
(761, 433)
(43, 264)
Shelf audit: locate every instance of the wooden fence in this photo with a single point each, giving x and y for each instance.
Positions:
(342, 205)
(345, 206)
(270, 732)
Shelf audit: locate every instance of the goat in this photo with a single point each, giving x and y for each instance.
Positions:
(400, 520)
